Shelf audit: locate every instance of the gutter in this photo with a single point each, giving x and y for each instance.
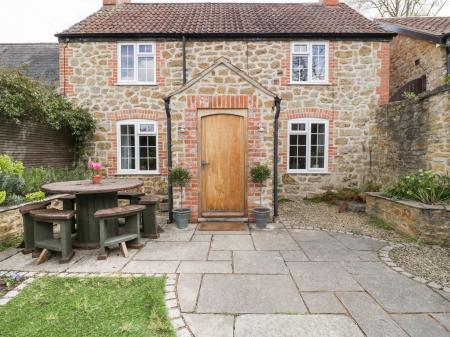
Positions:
(277, 105)
(169, 157)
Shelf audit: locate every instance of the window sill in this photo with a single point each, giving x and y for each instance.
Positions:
(136, 84)
(308, 172)
(311, 83)
(121, 173)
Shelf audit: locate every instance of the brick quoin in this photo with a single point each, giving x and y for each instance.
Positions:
(65, 70)
(383, 73)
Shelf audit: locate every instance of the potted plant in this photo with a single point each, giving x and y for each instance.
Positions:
(260, 174)
(179, 176)
(96, 172)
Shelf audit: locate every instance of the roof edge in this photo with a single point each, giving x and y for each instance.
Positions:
(401, 29)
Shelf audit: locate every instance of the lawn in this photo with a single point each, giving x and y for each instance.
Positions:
(85, 307)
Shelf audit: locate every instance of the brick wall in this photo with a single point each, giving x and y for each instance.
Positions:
(412, 58)
(358, 84)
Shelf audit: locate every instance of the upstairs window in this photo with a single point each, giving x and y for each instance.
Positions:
(308, 145)
(309, 62)
(137, 63)
(137, 146)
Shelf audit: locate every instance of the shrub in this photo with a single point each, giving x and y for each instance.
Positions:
(425, 186)
(14, 199)
(35, 196)
(12, 184)
(2, 197)
(259, 174)
(9, 166)
(180, 176)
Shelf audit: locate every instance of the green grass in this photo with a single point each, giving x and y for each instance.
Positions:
(381, 224)
(12, 242)
(88, 307)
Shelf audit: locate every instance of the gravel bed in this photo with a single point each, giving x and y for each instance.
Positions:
(430, 262)
(324, 215)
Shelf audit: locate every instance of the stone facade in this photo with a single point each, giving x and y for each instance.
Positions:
(411, 135)
(358, 84)
(10, 224)
(427, 223)
(411, 58)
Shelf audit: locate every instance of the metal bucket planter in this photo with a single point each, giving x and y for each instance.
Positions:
(181, 217)
(261, 216)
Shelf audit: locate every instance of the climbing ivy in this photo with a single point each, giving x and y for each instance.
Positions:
(22, 98)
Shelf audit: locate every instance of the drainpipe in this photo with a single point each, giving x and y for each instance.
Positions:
(169, 157)
(184, 59)
(277, 105)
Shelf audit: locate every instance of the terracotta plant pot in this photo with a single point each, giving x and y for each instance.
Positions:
(97, 179)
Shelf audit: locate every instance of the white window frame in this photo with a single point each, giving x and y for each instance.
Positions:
(136, 123)
(307, 132)
(309, 46)
(136, 45)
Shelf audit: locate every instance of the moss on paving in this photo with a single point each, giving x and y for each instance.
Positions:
(88, 307)
(11, 242)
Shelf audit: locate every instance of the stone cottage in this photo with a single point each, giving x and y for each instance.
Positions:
(420, 53)
(218, 88)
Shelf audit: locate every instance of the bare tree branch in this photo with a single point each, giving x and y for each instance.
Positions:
(400, 8)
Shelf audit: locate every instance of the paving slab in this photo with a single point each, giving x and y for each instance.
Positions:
(322, 276)
(359, 243)
(232, 242)
(89, 264)
(249, 294)
(395, 292)
(187, 290)
(420, 326)
(219, 255)
(172, 233)
(323, 303)
(371, 318)
(208, 325)
(202, 237)
(274, 240)
(444, 319)
(205, 267)
(7, 253)
(192, 251)
(151, 267)
(258, 262)
(21, 262)
(294, 255)
(295, 325)
(304, 235)
(335, 251)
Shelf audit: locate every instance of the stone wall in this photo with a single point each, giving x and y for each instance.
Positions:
(10, 224)
(411, 135)
(426, 223)
(412, 58)
(358, 73)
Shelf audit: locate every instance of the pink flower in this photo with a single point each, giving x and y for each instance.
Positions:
(95, 166)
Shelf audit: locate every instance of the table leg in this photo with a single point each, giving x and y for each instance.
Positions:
(88, 231)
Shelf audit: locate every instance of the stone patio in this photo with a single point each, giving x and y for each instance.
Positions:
(277, 282)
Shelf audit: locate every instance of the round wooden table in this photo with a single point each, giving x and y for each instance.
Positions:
(89, 199)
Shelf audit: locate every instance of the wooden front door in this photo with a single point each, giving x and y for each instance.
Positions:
(222, 164)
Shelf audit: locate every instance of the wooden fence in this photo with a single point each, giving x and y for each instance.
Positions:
(35, 144)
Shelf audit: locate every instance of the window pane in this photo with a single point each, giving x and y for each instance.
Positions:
(147, 153)
(300, 48)
(127, 62)
(317, 150)
(297, 152)
(127, 147)
(150, 128)
(298, 126)
(145, 69)
(145, 48)
(300, 68)
(318, 62)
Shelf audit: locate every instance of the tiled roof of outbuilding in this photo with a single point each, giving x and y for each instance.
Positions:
(252, 19)
(432, 25)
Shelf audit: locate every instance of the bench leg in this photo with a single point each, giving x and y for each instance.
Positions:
(149, 226)
(102, 251)
(66, 241)
(123, 249)
(132, 224)
(69, 205)
(28, 234)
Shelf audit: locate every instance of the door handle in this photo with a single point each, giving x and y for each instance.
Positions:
(204, 163)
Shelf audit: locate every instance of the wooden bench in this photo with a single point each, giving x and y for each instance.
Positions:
(44, 219)
(28, 225)
(132, 215)
(149, 225)
(133, 197)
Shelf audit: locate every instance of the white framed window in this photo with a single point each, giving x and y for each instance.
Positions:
(136, 63)
(307, 145)
(137, 146)
(309, 62)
